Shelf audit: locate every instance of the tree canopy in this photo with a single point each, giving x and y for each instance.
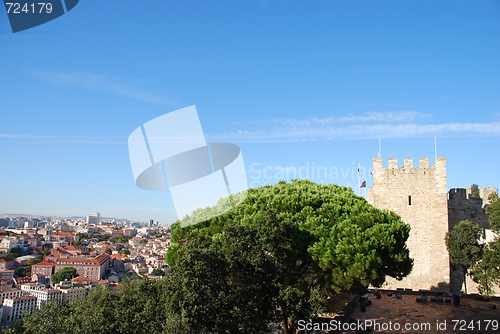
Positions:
(474, 188)
(124, 251)
(136, 307)
(157, 272)
(493, 211)
(65, 273)
(289, 242)
(464, 246)
(486, 272)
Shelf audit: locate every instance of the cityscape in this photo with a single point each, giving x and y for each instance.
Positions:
(103, 251)
(249, 167)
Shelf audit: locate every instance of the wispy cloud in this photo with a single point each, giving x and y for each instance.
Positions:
(10, 135)
(393, 124)
(50, 139)
(388, 117)
(26, 135)
(105, 83)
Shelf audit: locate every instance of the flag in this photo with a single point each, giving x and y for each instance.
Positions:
(363, 185)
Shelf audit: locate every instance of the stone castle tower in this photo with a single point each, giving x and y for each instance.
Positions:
(419, 196)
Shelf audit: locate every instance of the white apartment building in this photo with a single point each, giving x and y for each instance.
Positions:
(10, 293)
(45, 296)
(9, 243)
(13, 308)
(70, 293)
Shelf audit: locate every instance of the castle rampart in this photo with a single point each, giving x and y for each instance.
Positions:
(486, 192)
(462, 206)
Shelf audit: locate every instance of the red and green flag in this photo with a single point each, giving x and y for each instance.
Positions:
(363, 185)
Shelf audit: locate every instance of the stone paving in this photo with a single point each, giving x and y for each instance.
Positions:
(471, 316)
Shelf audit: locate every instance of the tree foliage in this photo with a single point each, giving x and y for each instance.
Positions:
(120, 239)
(157, 272)
(474, 188)
(20, 272)
(464, 246)
(35, 260)
(65, 273)
(243, 278)
(136, 307)
(43, 251)
(16, 250)
(124, 251)
(45, 320)
(469, 252)
(486, 273)
(302, 238)
(493, 211)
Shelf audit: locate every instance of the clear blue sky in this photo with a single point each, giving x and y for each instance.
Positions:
(293, 83)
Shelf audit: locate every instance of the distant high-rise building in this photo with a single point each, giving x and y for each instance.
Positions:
(95, 218)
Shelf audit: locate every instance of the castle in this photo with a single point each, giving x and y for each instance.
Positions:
(419, 195)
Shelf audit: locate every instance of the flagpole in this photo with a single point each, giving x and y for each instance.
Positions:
(359, 184)
(435, 148)
(379, 148)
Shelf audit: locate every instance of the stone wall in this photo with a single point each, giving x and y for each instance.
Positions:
(486, 192)
(462, 206)
(419, 196)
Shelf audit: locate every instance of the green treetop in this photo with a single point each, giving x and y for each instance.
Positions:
(65, 273)
(464, 246)
(475, 190)
(283, 246)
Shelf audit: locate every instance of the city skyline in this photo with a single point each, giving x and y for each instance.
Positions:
(294, 85)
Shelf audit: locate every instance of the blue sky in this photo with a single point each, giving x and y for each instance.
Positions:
(302, 84)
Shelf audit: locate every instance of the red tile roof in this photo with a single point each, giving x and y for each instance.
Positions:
(81, 279)
(44, 264)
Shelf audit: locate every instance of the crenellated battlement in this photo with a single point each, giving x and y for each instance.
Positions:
(457, 194)
(408, 163)
(463, 206)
